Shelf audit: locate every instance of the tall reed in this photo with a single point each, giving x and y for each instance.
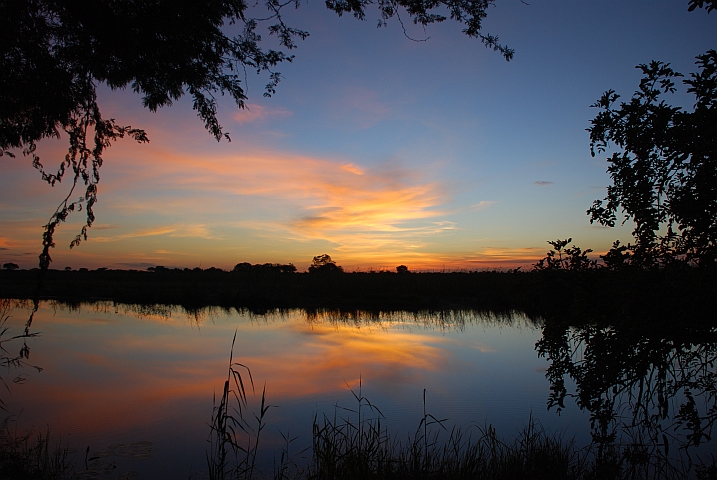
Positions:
(354, 443)
(233, 441)
(28, 456)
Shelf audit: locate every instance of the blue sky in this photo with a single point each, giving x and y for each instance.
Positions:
(376, 149)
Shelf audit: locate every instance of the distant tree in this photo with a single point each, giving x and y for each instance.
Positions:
(242, 267)
(402, 269)
(664, 174)
(246, 267)
(10, 266)
(55, 53)
(68, 269)
(288, 268)
(324, 264)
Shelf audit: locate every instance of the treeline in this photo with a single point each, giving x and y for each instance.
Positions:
(576, 296)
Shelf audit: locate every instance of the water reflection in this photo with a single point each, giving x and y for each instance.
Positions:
(12, 364)
(126, 374)
(651, 391)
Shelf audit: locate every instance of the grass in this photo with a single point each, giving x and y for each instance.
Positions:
(359, 447)
(30, 457)
(355, 444)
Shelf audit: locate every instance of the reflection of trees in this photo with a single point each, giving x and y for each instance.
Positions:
(429, 319)
(647, 389)
(8, 360)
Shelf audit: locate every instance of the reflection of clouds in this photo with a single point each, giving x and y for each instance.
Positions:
(120, 379)
(484, 348)
(329, 357)
(150, 369)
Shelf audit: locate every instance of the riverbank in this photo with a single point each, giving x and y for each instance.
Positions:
(596, 295)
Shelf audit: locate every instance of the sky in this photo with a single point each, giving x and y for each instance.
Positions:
(376, 149)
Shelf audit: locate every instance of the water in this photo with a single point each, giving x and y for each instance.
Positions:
(145, 378)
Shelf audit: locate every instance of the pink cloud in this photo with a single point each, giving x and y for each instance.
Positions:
(254, 113)
(359, 107)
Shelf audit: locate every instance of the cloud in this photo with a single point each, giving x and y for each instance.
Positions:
(300, 198)
(103, 226)
(180, 230)
(482, 205)
(360, 107)
(503, 253)
(506, 257)
(543, 183)
(254, 113)
(350, 167)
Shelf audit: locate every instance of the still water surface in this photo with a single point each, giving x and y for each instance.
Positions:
(115, 374)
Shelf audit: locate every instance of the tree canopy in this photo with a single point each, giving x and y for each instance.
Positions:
(54, 54)
(324, 264)
(664, 171)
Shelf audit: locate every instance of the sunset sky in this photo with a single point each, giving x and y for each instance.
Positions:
(376, 149)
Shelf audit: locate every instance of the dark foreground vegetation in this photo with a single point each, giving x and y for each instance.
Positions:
(589, 295)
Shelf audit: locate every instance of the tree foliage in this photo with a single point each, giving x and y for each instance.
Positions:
(562, 259)
(246, 267)
(324, 264)
(664, 172)
(55, 53)
(709, 5)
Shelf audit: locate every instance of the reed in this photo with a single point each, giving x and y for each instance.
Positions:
(354, 443)
(234, 442)
(361, 448)
(30, 457)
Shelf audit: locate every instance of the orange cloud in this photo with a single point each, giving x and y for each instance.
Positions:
(354, 208)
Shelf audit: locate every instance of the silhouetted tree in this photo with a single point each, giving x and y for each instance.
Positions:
(708, 4)
(10, 266)
(402, 269)
(54, 54)
(242, 267)
(664, 174)
(324, 264)
(572, 259)
(246, 267)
